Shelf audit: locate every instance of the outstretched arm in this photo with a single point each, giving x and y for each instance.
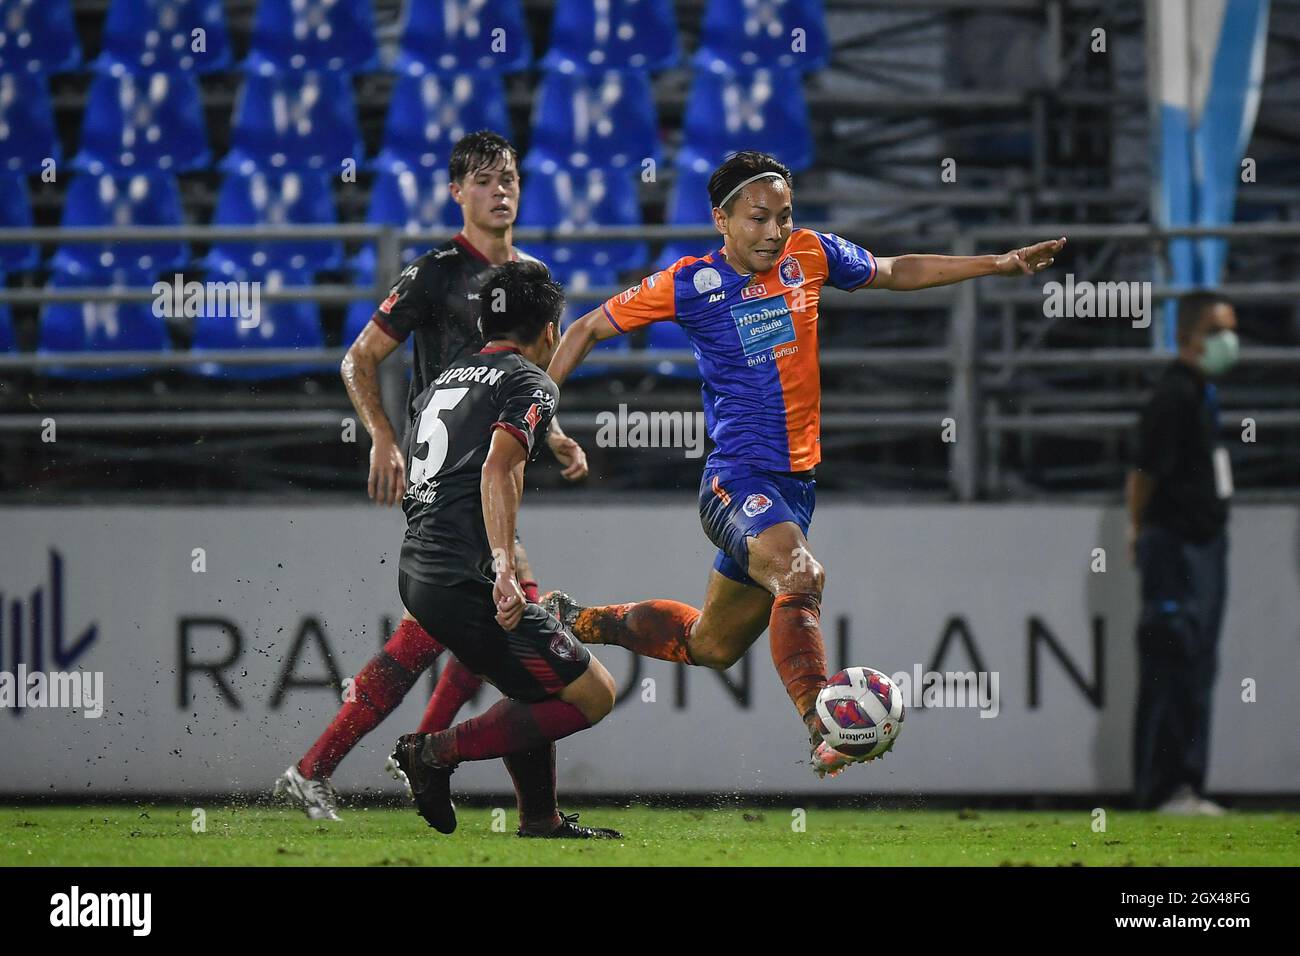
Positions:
(907, 273)
(577, 341)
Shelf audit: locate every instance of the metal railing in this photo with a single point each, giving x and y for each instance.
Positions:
(970, 372)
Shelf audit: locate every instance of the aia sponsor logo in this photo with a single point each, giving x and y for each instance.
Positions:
(791, 272)
(756, 504)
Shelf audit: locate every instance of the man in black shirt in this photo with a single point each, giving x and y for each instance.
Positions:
(476, 427)
(1177, 499)
(435, 300)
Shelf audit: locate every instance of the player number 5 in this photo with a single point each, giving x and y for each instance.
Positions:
(433, 430)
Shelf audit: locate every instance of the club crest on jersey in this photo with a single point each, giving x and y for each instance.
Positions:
(791, 272)
(755, 505)
(533, 416)
(756, 291)
(563, 646)
(706, 280)
(387, 305)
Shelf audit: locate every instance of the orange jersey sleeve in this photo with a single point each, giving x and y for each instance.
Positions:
(654, 300)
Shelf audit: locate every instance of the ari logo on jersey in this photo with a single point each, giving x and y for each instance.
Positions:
(755, 505)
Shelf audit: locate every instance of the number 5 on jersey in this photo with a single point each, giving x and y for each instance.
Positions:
(434, 431)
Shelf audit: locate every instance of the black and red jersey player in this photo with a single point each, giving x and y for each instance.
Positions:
(434, 300)
(476, 427)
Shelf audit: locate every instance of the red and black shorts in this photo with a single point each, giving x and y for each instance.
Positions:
(536, 660)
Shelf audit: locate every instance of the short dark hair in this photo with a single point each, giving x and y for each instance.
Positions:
(1193, 307)
(477, 151)
(737, 169)
(518, 301)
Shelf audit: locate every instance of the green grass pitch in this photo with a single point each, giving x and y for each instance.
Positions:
(110, 835)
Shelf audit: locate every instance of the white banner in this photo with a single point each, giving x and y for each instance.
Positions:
(211, 628)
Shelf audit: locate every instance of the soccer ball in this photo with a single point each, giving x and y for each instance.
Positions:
(861, 711)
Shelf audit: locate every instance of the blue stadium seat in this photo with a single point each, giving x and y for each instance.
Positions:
(750, 33)
(360, 311)
(275, 199)
(16, 213)
(689, 206)
(294, 121)
(583, 201)
(731, 110)
(38, 36)
(604, 119)
(147, 121)
(636, 34)
(428, 114)
(280, 325)
(358, 314)
(99, 327)
(445, 35)
(26, 123)
(158, 35)
(333, 35)
(416, 200)
(121, 199)
(666, 336)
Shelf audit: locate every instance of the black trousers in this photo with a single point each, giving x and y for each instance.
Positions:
(1183, 590)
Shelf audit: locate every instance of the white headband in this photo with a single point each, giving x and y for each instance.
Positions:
(727, 198)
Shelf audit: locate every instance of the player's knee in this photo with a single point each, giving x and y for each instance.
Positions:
(599, 694)
(805, 576)
(603, 697)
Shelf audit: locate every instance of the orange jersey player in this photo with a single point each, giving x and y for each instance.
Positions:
(750, 312)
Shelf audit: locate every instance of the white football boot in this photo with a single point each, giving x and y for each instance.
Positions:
(829, 762)
(316, 797)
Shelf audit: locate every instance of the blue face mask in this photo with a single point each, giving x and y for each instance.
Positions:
(1221, 350)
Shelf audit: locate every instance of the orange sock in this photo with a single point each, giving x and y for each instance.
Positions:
(797, 649)
(658, 629)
